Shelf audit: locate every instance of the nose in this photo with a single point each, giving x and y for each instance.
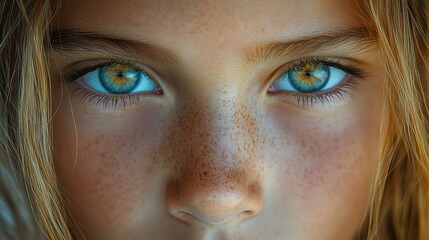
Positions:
(218, 176)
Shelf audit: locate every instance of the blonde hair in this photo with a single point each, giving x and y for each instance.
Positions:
(25, 79)
(398, 206)
(15, 218)
(400, 194)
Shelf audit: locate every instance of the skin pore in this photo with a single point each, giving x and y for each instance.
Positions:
(220, 152)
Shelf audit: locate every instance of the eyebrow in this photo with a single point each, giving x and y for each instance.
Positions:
(74, 41)
(352, 40)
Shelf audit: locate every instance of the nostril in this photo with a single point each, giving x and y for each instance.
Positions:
(198, 209)
(247, 214)
(184, 216)
(196, 218)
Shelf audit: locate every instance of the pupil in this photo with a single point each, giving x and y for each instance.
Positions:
(120, 74)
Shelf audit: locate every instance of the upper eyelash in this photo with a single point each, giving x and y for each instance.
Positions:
(78, 71)
(329, 61)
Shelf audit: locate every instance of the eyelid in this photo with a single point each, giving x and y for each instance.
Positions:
(77, 70)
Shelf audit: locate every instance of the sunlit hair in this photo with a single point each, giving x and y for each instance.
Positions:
(398, 204)
(400, 194)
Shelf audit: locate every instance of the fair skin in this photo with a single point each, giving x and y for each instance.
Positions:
(219, 153)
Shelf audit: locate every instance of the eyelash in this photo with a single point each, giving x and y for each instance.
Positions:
(331, 95)
(77, 71)
(303, 99)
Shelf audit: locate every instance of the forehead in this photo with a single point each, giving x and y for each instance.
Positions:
(220, 21)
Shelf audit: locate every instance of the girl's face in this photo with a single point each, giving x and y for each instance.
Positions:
(215, 119)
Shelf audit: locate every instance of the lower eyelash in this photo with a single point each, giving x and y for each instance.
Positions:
(303, 99)
(108, 101)
(308, 100)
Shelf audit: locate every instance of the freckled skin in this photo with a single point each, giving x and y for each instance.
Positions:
(215, 156)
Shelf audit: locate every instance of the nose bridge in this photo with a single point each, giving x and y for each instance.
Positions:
(214, 131)
(214, 156)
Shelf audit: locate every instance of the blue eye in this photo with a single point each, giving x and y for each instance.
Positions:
(309, 78)
(119, 79)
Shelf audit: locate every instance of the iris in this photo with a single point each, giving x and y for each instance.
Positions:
(309, 77)
(119, 79)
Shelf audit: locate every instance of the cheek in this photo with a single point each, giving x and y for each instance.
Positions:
(104, 170)
(324, 168)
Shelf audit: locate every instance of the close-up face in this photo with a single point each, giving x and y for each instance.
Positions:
(215, 119)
